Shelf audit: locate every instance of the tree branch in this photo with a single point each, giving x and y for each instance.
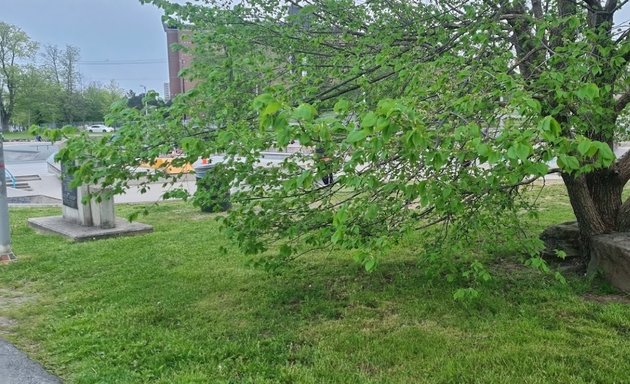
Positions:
(622, 102)
(611, 5)
(595, 5)
(623, 217)
(623, 167)
(537, 9)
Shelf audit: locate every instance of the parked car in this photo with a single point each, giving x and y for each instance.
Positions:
(99, 128)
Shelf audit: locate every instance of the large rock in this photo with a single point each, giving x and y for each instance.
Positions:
(565, 237)
(610, 255)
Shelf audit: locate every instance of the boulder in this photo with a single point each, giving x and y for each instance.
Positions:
(610, 255)
(565, 237)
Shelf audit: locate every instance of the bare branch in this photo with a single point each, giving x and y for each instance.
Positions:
(610, 6)
(595, 5)
(537, 9)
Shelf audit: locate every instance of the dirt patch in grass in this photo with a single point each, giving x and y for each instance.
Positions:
(574, 265)
(9, 298)
(607, 298)
(6, 324)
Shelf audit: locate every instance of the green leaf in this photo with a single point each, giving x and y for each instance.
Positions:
(190, 144)
(522, 151)
(282, 135)
(534, 105)
(381, 123)
(285, 251)
(538, 169)
(356, 136)
(511, 153)
(550, 125)
(262, 100)
(417, 139)
(360, 256)
(584, 147)
(305, 112)
(340, 217)
(35, 130)
(271, 108)
(606, 155)
(370, 264)
(385, 106)
(463, 294)
(447, 191)
(305, 179)
(337, 237)
(560, 254)
(538, 263)
(482, 149)
(371, 212)
(369, 120)
(569, 163)
(588, 91)
(341, 106)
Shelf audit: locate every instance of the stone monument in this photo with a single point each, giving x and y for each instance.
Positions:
(86, 219)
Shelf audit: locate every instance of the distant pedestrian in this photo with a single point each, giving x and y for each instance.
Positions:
(325, 160)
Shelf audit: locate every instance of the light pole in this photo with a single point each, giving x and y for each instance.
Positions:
(6, 254)
(144, 100)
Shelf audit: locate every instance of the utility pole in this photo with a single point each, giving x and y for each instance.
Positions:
(144, 101)
(6, 254)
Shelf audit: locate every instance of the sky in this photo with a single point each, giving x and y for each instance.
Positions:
(120, 40)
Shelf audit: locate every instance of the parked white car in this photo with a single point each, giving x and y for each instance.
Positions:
(99, 128)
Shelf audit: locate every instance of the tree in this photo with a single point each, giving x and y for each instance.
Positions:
(37, 103)
(14, 45)
(138, 101)
(97, 101)
(70, 77)
(428, 114)
(63, 66)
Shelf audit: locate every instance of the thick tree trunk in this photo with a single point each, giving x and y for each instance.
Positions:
(597, 204)
(4, 118)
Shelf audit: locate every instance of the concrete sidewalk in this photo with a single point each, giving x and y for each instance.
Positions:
(47, 190)
(27, 162)
(17, 368)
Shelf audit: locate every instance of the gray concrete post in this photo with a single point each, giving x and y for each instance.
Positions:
(6, 254)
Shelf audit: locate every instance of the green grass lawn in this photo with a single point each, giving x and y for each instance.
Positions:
(169, 307)
(26, 136)
(18, 136)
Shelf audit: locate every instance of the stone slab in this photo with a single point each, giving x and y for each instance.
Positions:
(76, 232)
(610, 255)
(564, 237)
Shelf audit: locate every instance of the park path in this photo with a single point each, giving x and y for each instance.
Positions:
(17, 368)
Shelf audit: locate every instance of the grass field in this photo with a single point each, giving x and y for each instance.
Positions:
(26, 136)
(169, 307)
(17, 136)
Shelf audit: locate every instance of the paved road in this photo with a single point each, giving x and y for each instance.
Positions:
(17, 368)
(29, 158)
(27, 152)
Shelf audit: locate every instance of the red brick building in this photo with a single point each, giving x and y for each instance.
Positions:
(177, 60)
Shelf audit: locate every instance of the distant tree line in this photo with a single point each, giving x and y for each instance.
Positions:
(43, 85)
